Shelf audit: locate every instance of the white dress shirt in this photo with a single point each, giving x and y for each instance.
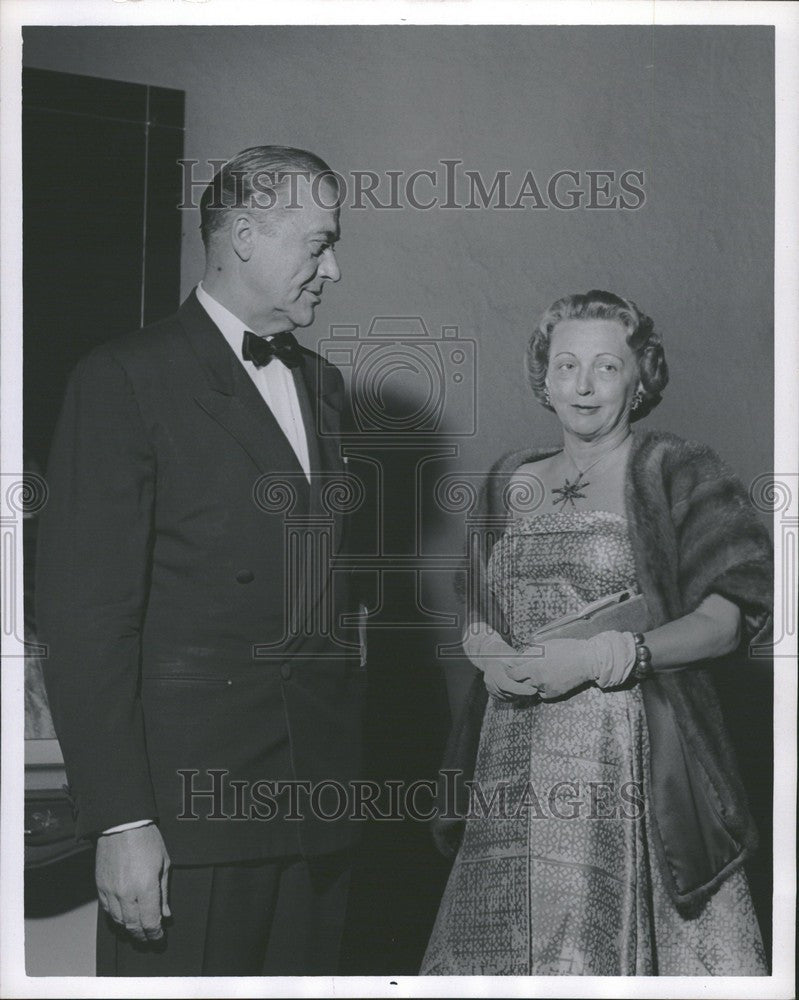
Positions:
(276, 385)
(275, 382)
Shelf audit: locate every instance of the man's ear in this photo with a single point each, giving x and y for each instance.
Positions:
(242, 236)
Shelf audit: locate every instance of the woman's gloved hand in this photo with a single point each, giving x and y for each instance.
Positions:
(489, 652)
(558, 666)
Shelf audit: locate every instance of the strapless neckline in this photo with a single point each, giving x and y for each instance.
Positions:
(560, 515)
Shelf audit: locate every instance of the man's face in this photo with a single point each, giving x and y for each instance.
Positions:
(292, 259)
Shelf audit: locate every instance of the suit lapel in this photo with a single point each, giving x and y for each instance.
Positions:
(230, 397)
(316, 395)
(320, 415)
(321, 419)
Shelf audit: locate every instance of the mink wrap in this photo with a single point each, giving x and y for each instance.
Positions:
(693, 532)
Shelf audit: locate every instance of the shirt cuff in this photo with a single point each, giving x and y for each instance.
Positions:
(127, 826)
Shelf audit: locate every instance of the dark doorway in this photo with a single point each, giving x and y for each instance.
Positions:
(101, 227)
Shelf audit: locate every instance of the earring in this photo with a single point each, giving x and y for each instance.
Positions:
(546, 395)
(638, 399)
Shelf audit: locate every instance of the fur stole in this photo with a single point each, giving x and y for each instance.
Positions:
(693, 532)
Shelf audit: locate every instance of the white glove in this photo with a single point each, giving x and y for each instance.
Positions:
(560, 665)
(489, 652)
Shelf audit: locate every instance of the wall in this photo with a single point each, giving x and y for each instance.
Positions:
(692, 107)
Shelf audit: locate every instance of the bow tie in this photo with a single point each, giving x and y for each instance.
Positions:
(260, 351)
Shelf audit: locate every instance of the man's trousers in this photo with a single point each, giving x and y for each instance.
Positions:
(274, 917)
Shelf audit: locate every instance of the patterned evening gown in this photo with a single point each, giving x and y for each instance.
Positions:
(532, 893)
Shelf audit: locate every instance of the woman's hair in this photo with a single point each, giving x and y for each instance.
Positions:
(641, 337)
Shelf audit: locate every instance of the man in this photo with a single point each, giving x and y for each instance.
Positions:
(189, 458)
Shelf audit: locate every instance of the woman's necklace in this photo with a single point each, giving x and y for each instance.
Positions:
(572, 490)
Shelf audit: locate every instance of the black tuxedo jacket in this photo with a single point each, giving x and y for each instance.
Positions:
(163, 569)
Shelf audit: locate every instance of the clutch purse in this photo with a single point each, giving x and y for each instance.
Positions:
(624, 611)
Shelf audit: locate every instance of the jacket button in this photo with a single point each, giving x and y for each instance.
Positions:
(285, 671)
(245, 576)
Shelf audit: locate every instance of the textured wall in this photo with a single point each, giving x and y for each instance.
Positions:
(692, 107)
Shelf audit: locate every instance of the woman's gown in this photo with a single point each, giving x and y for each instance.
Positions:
(562, 879)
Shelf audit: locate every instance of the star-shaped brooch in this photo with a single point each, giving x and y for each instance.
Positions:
(570, 491)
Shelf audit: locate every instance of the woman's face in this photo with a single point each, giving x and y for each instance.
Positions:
(592, 376)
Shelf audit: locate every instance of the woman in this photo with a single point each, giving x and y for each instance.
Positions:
(615, 841)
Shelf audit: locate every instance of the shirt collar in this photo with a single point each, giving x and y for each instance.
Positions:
(230, 326)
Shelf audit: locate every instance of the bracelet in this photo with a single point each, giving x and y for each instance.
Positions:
(642, 668)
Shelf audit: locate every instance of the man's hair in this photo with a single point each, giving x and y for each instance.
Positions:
(252, 179)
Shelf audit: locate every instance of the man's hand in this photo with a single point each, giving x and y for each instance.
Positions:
(131, 870)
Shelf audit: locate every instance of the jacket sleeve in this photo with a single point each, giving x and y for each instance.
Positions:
(723, 546)
(93, 559)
